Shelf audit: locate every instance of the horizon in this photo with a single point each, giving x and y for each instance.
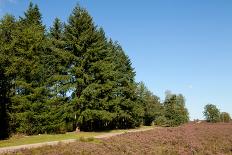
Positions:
(180, 46)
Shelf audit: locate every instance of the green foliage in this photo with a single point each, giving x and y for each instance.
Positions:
(104, 91)
(225, 117)
(31, 69)
(175, 110)
(161, 121)
(150, 103)
(7, 25)
(71, 76)
(211, 113)
(32, 15)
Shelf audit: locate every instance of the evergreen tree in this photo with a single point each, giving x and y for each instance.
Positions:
(32, 16)
(102, 76)
(60, 81)
(31, 67)
(7, 26)
(88, 70)
(128, 111)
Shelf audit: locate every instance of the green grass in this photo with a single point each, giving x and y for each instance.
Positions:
(22, 140)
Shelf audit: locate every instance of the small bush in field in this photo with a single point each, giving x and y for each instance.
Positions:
(90, 139)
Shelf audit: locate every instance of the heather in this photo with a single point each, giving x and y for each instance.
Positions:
(188, 139)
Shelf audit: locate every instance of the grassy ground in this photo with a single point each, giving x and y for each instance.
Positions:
(189, 139)
(22, 140)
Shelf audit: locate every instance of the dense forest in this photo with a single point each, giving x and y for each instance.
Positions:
(53, 80)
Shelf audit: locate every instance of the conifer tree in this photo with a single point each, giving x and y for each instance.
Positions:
(129, 111)
(32, 69)
(32, 16)
(7, 26)
(60, 81)
(90, 71)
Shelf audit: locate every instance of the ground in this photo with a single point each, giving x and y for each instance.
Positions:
(202, 139)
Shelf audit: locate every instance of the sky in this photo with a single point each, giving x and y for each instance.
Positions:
(184, 46)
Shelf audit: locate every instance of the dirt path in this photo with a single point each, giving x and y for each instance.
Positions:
(108, 135)
(29, 146)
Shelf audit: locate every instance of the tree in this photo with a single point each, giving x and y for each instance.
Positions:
(60, 80)
(88, 49)
(211, 113)
(225, 117)
(150, 103)
(129, 111)
(175, 110)
(31, 69)
(103, 79)
(7, 26)
(32, 16)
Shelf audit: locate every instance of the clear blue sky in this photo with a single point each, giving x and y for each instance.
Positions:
(184, 45)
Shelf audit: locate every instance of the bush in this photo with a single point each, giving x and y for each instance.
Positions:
(161, 121)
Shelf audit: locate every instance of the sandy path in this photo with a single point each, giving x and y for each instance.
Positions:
(29, 146)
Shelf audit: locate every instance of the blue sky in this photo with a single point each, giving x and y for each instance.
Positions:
(184, 45)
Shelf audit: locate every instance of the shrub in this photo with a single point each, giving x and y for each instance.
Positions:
(161, 121)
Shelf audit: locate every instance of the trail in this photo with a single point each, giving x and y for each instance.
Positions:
(52, 143)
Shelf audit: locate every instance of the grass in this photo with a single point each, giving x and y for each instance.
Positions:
(23, 140)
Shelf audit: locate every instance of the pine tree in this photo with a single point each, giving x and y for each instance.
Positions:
(90, 70)
(60, 81)
(32, 16)
(7, 26)
(32, 69)
(129, 112)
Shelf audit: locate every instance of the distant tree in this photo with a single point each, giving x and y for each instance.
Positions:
(225, 117)
(175, 111)
(211, 113)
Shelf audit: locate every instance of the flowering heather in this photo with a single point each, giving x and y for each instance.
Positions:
(189, 139)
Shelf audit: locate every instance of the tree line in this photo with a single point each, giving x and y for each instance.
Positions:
(212, 114)
(72, 75)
